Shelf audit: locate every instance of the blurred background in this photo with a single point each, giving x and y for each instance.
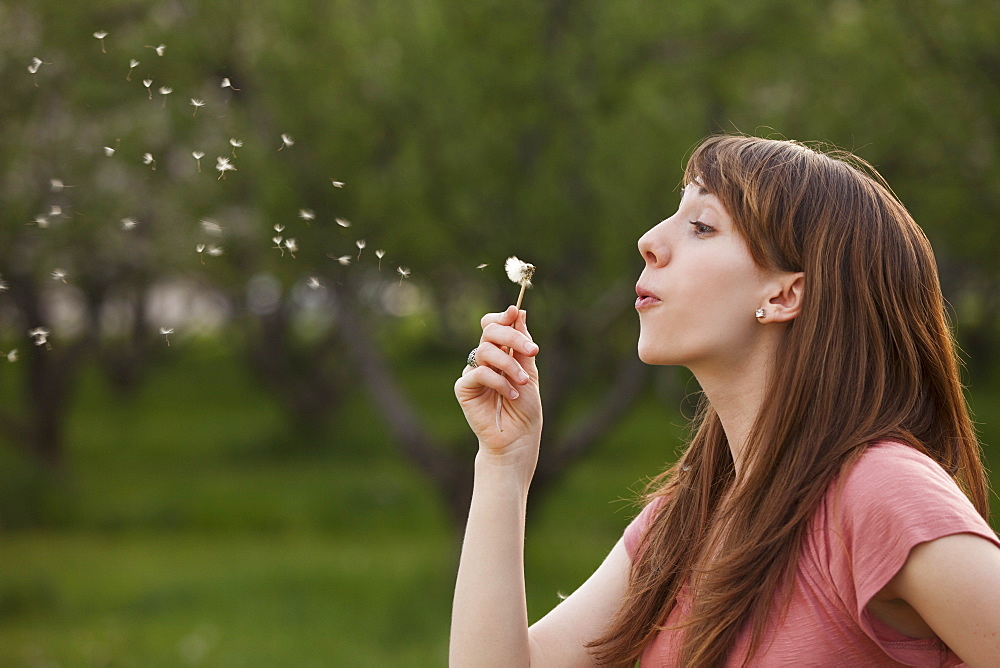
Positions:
(228, 429)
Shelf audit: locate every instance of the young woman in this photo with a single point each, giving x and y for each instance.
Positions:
(830, 508)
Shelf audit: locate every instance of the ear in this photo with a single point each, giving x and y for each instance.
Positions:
(785, 302)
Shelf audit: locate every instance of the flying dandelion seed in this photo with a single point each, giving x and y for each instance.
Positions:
(198, 155)
(55, 211)
(224, 165)
(286, 140)
(160, 50)
(41, 221)
(128, 224)
(33, 68)
(197, 104)
(132, 64)
(278, 227)
(41, 337)
(200, 249)
(291, 246)
(360, 243)
(380, 254)
(215, 251)
(345, 260)
(337, 184)
(226, 83)
(57, 185)
(307, 214)
(147, 159)
(108, 151)
(211, 227)
(165, 332)
(148, 83)
(403, 273)
(482, 266)
(11, 356)
(101, 34)
(59, 275)
(165, 91)
(314, 283)
(3, 285)
(278, 246)
(235, 143)
(343, 222)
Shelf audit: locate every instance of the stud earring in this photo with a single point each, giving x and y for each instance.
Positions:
(760, 313)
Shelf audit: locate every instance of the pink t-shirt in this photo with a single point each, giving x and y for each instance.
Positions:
(893, 499)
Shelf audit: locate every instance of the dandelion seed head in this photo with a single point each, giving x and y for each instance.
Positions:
(197, 155)
(166, 330)
(196, 103)
(160, 50)
(200, 248)
(236, 143)
(380, 253)
(403, 272)
(286, 139)
(147, 82)
(224, 165)
(276, 240)
(291, 245)
(108, 151)
(518, 271)
(147, 158)
(129, 223)
(343, 222)
(307, 214)
(101, 34)
(226, 83)
(279, 227)
(166, 90)
(360, 243)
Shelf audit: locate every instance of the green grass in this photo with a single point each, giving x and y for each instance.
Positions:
(193, 528)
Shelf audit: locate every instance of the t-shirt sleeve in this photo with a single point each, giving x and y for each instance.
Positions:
(893, 499)
(636, 531)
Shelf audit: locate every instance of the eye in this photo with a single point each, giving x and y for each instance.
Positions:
(701, 229)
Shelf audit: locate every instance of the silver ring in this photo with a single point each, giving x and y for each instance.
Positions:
(471, 359)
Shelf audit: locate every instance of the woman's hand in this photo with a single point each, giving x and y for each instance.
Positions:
(477, 389)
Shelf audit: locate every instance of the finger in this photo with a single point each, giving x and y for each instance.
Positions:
(506, 317)
(490, 355)
(505, 335)
(484, 376)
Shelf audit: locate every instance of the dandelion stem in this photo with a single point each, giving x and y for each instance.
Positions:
(510, 352)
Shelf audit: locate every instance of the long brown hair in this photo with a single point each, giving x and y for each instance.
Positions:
(870, 356)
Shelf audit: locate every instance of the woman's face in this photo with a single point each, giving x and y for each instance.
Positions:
(699, 289)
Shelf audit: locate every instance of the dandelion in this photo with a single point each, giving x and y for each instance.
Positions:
(286, 140)
(314, 283)
(211, 227)
(41, 337)
(101, 34)
(59, 275)
(307, 214)
(132, 64)
(343, 222)
(517, 272)
(235, 143)
(165, 332)
(403, 273)
(11, 356)
(291, 246)
(226, 83)
(108, 151)
(128, 224)
(147, 159)
(380, 254)
(197, 104)
(160, 50)
(360, 243)
(337, 184)
(165, 91)
(148, 84)
(198, 155)
(224, 165)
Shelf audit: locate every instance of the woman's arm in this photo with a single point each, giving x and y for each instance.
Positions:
(953, 583)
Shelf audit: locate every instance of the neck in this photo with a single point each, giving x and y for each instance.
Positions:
(736, 389)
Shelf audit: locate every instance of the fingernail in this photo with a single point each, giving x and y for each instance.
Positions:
(529, 347)
(521, 376)
(513, 394)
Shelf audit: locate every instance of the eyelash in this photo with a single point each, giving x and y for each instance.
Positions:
(701, 228)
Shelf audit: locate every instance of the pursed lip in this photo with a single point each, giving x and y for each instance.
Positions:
(644, 297)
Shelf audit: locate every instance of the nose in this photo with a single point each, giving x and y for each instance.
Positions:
(652, 246)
